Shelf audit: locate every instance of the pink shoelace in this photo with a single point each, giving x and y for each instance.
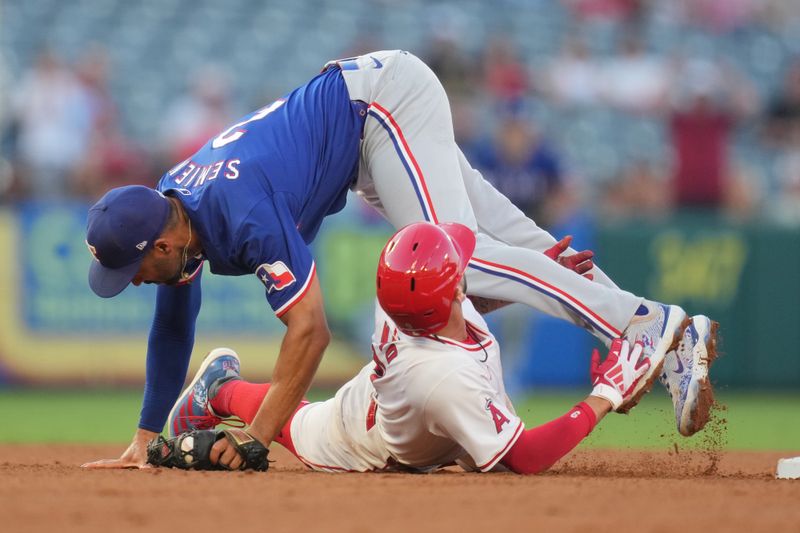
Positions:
(211, 421)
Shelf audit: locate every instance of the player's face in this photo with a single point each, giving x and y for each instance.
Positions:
(160, 268)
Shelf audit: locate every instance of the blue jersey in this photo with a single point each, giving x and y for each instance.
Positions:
(257, 193)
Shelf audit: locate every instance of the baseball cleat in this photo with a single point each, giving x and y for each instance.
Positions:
(659, 327)
(685, 375)
(193, 408)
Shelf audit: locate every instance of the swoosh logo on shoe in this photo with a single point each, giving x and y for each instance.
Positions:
(378, 64)
(680, 365)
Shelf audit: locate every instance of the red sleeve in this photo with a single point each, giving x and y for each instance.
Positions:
(537, 449)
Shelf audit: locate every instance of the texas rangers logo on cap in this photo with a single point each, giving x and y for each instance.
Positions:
(275, 276)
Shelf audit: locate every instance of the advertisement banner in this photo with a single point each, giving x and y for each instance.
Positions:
(53, 329)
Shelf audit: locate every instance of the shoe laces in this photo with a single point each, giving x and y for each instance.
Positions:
(211, 421)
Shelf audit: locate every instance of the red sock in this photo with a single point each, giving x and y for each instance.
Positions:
(239, 398)
(242, 399)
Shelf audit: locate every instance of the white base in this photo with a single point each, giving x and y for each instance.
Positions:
(788, 468)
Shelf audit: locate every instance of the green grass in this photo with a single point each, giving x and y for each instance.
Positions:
(754, 421)
(72, 416)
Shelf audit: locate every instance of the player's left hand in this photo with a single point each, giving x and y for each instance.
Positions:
(615, 378)
(579, 262)
(223, 453)
(134, 457)
(228, 452)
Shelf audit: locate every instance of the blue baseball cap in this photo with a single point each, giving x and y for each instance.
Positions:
(120, 230)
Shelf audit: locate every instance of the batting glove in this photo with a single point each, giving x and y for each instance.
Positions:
(615, 378)
(580, 262)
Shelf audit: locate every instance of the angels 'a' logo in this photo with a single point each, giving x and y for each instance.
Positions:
(275, 276)
(497, 415)
(92, 250)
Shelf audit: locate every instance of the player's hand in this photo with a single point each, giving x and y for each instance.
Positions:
(224, 453)
(203, 449)
(579, 262)
(615, 378)
(134, 457)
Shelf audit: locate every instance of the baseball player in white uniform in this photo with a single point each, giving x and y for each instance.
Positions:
(433, 395)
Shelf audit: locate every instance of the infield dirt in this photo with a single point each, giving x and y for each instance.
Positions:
(42, 488)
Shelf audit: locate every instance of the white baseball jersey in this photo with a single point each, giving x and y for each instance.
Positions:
(422, 403)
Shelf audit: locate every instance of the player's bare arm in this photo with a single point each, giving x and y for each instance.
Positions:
(306, 338)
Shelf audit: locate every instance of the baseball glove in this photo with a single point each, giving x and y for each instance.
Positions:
(191, 451)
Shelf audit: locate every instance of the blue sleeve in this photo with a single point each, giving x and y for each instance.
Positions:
(273, 249)
(169, 349)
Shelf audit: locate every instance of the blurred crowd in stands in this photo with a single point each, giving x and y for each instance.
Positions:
(517, 118)
(65, 137)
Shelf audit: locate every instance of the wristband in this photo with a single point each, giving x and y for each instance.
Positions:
(607, 392)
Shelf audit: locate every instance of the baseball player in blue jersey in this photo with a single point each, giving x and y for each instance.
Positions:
(252, 199)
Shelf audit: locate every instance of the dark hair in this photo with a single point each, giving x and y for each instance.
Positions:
(173, 217)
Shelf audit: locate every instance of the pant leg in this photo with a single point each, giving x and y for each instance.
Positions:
(503, 221)
(500, 271)
(409, 153)
(411, 171)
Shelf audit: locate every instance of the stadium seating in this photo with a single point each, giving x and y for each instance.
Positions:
(270, 47)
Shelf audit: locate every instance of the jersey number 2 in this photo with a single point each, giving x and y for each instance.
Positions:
(235, 132)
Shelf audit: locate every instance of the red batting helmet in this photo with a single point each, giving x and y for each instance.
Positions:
(418, 272)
